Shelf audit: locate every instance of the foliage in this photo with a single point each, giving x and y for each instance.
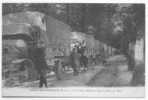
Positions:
(109, 22)
(117, 25)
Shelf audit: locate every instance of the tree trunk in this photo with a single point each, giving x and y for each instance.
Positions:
(131, 62)
(127, 48)
(130, 55)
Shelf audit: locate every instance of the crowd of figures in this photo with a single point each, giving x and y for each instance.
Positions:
(77, 61)
(36, 62)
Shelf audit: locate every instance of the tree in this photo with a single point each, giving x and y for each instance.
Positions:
(120, 25)
(127, 21)
(117, 25)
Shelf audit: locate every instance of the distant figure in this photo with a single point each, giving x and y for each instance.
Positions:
(83, 59)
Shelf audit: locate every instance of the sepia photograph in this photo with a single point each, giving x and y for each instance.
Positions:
(73, 49)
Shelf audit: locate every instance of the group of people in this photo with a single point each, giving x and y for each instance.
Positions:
(80, 49)
(79, 45)
(40, 62)
(38, 57)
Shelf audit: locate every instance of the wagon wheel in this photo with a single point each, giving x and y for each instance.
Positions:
(59, 69)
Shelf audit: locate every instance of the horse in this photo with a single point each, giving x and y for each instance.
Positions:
(73, 61)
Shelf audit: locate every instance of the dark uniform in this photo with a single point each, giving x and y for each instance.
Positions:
(41, 65)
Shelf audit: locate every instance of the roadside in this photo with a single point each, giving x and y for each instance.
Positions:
(81, 80)
(113, 74)
(116, 74)
(68, 79)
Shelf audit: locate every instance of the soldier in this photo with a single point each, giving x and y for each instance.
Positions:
(40, 63)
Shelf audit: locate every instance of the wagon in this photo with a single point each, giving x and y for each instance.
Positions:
(29, 31)
(22, 43)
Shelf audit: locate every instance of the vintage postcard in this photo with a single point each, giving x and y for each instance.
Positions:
(73, 49)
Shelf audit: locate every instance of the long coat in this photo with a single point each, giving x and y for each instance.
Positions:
(38, 57)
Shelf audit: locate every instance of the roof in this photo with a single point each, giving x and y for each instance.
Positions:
(20, 22)
(15, 28)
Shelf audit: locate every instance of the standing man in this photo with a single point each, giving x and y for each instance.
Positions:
(41, 63)
(38, 55)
